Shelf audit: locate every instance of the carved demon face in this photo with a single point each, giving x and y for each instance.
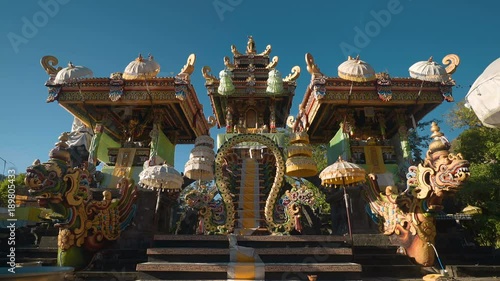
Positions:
(442, 176)
(45, 181)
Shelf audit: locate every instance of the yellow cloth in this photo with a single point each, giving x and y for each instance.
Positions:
(249, 212)
(374, 160)
(123, 165)
(244, 263)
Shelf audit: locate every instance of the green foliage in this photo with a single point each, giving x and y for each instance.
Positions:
(461, 117)
(481, 147)
(420, 143)
(319, 155)
(4, 188)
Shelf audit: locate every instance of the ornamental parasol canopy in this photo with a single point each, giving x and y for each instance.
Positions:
(429, 71)
(484, 95)
(72, 73)
(200, 165)
(161, 176)
(141, 68)
(342, 173)
(356, 70)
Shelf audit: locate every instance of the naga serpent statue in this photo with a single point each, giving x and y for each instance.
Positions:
(408, 217)
(85, 225)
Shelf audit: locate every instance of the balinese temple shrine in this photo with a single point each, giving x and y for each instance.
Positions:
(252, 180)
(120, 113)
(365, 117)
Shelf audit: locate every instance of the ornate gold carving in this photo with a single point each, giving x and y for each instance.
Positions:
(212, 121)
(250, 46)
(311, 66)
(294, 75)
(189, 66)
(273, 63)
(235, 51)
(209, 79)
(267, 51)
(48, 64)
(408, 216)
(224, 188)
(451, 61)
(227, 63)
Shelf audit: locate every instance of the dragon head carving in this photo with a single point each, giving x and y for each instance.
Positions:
(45, 180)
(441, 175)
(85, 225)
(408, 216)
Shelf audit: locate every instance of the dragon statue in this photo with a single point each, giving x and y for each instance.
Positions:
(85, 225)
(408, 217)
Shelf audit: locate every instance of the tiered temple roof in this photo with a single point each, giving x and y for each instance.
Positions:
(250, 102)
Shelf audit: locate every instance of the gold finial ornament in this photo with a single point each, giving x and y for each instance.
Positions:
(451, 61)
(273, 63)
(267, 51)
(312, 68)
(227, 63)
(251, 46)
(189, 66)
(235, 51)
(439, 142)
(209, 78)
(294, 75)
(61, 150)
(48, 64)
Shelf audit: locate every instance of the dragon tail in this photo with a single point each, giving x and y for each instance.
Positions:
(374, 207)
(127, 205)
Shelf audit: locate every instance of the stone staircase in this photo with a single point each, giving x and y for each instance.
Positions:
(193, 257)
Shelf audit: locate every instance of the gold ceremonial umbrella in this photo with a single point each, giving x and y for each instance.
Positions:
(343, 173)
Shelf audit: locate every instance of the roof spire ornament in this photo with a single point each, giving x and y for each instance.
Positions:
(251, 46)
(60, 151)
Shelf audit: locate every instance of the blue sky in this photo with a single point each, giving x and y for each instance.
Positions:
(106, 35)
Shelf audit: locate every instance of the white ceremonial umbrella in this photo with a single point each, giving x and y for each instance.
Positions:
(356, 70)
(428, 71)
(71, 73)
(141, 68)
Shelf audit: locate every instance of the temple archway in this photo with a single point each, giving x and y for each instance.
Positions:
(224, 187)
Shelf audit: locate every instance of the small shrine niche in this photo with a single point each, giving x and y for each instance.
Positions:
(367, 126)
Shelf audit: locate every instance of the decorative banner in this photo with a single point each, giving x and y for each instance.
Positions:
(374, 159)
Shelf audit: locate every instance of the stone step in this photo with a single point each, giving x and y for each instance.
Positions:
(392, 271)
(382, 259)
(247, 238)
(261, 251)
(276, 271)
(258, 241)
(268, 255)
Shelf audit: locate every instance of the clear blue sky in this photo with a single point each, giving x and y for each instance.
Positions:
(106, 35)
